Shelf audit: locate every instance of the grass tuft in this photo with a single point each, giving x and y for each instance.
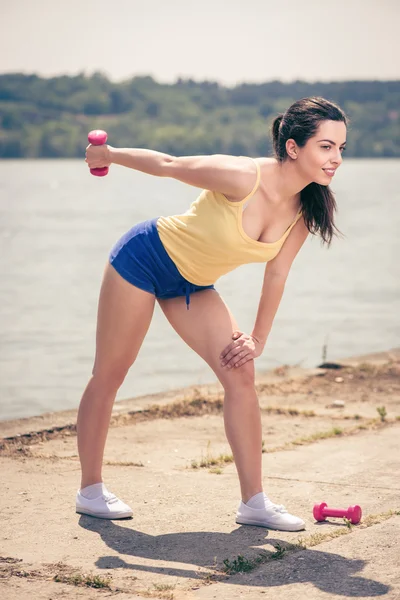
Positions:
(213, 463)
(95, 581)
(280, 551)
(318, 538)
(292, 412)
(318, 435)
(347, 522)
(122, 463)
(381, 410)
(161, 590)
(242, 564)
(215, 470)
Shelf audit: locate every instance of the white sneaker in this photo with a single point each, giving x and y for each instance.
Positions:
(105, 506)
(273, 516)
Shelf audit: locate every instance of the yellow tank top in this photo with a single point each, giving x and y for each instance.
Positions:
(208, 240)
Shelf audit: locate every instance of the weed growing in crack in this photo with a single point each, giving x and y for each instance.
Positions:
(347, 522)
(240, 565)
(280, 551)
(95, 581)
(381, 410)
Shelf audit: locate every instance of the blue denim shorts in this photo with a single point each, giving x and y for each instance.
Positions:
(140, 257)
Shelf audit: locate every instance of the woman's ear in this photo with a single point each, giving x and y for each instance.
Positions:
(291, 149)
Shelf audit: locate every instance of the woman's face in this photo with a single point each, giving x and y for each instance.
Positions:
(322, 154)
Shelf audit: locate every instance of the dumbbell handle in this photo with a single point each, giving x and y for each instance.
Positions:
(334, 512)
(98, 137)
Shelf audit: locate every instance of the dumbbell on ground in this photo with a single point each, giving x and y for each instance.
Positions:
(353, 513)
(98, 137)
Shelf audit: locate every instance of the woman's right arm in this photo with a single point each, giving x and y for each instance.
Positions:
(233, 176)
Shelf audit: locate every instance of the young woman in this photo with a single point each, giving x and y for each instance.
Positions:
(249, 210)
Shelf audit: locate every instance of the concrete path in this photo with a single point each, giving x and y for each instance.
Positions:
(183, 542)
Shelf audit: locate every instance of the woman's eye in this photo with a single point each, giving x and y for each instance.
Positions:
(329, 147)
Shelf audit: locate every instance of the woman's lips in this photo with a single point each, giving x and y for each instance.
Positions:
(329, 172)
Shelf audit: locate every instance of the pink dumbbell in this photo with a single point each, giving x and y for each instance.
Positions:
(98, 137)
(321, 511)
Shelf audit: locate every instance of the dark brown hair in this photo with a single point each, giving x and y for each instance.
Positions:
(300, 122)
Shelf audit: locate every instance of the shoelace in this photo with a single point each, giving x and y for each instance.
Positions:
(279, 508)
(110, 498)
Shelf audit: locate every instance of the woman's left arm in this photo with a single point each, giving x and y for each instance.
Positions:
(247, 347)
(271, 295)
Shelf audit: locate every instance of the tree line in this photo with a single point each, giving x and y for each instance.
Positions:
(50, 117)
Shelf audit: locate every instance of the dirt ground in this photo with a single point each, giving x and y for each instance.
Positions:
(329, 434)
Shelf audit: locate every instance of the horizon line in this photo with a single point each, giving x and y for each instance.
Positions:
(186, 79)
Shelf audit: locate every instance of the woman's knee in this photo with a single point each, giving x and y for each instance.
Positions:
(110, 376)
(238, 377)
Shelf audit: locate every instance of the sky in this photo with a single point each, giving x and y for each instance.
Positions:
(229, 41)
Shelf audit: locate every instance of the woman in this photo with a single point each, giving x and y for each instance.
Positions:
(250, 210)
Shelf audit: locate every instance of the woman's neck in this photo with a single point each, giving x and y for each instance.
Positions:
(287, 182)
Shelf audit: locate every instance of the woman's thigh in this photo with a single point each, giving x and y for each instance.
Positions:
(207, 327)
(123, 318)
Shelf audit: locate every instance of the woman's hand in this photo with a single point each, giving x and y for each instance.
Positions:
(244, 347)
(98, 156)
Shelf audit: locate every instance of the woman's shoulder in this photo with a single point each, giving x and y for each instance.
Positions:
(266, 161)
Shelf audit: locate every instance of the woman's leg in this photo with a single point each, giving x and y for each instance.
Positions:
(123, 318)
(207, 328)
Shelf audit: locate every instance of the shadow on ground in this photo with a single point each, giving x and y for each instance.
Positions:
(328, 572)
